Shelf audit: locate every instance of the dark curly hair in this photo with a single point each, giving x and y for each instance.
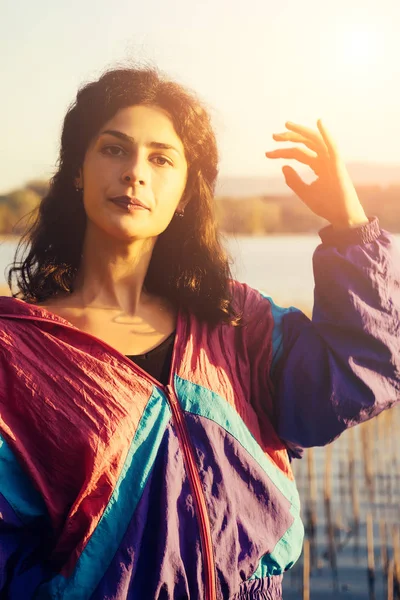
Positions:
(189, 265)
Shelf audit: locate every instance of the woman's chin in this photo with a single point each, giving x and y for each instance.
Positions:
(120, 229)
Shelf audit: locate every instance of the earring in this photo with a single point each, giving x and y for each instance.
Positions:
(180, 213)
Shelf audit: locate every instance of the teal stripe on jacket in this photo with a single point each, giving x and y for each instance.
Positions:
(107, 537)
(278, 314)
(18, 488)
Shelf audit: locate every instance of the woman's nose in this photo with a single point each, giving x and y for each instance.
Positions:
(136, 171)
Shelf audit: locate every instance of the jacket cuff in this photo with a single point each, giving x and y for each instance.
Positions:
(364, 234)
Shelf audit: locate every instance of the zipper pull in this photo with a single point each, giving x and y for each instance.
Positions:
(171, 393)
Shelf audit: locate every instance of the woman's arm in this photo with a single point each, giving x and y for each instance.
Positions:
(343, 367)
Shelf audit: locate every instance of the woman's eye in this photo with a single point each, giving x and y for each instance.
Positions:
(114, 150)
(162, 160)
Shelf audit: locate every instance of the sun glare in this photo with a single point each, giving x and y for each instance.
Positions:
(361, 47)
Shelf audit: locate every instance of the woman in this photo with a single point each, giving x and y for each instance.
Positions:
(150, 405)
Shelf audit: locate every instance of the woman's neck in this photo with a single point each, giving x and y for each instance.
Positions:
(112, 273)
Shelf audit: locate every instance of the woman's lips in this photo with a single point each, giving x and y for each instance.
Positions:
(128, 203)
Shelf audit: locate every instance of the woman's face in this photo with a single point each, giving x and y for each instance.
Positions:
(139, 142)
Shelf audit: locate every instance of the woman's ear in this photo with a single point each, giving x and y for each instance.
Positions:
(186, 196)
(78, 181)
(183, 204)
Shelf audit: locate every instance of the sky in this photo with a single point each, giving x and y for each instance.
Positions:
(256, 65)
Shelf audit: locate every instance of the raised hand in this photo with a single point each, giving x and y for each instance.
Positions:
(332, 195)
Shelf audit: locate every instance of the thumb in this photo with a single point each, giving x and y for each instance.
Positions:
(293, 180)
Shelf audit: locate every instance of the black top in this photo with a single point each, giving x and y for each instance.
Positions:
(157, 362)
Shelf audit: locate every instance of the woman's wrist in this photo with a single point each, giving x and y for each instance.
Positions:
(351, 222)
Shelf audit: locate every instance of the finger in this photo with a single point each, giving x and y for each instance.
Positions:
(307, 157)
(290, 136)
(310, 134)
(295, 182)
(328, 139)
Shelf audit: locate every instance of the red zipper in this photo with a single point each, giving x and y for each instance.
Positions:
(198, 495)
(186, 446)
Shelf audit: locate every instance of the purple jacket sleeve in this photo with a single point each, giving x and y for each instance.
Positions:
(343, 367)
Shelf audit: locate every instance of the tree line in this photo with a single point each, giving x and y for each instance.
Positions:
(261, 215)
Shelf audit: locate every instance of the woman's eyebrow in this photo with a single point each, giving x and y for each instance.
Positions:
(131, 140)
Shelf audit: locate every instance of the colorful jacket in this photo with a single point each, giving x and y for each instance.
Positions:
(114, 486)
